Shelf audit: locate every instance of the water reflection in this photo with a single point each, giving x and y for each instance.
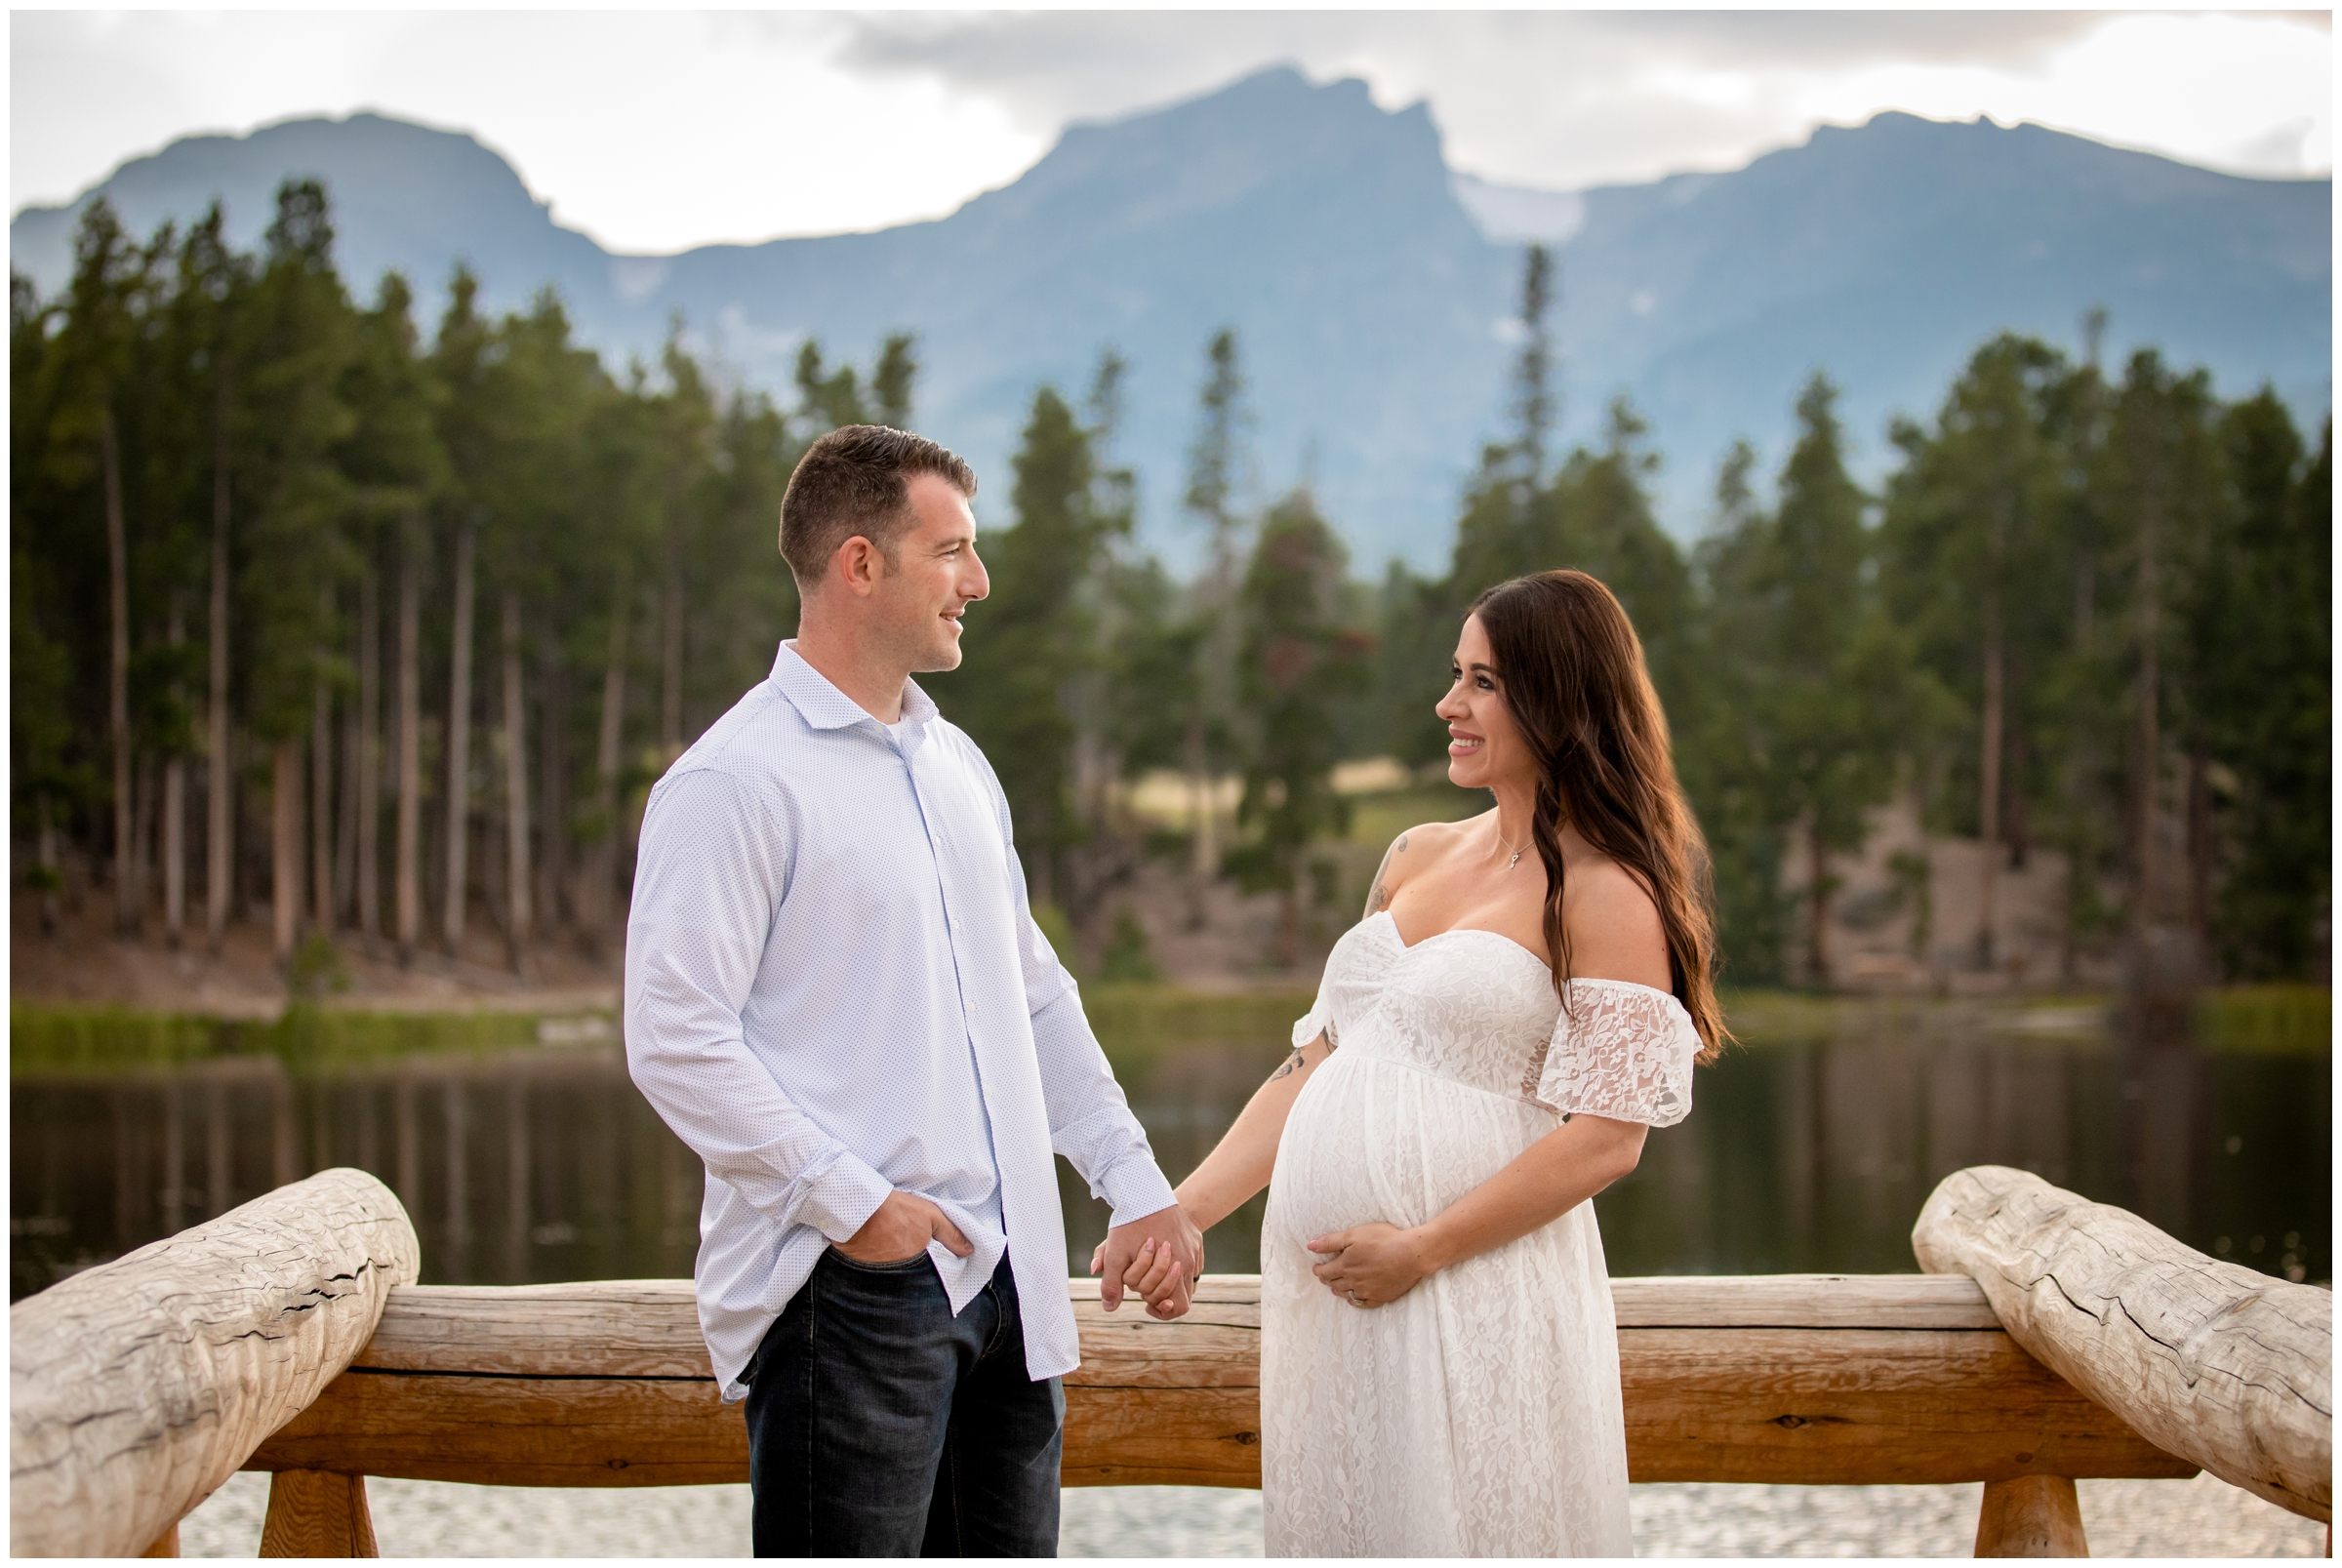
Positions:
(542, 1164)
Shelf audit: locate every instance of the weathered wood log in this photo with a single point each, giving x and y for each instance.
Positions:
(1768, 1378)
(136, 1387)
(2031, 1516)
(2225, 1366)
(313, 1513)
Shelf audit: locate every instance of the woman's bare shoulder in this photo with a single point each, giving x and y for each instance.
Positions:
(1615, 932)
(1409, 853)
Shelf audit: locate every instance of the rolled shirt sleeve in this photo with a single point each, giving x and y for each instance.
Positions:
(713, 865)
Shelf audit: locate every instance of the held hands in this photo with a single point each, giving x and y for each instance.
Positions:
(901, 1229)
(1372, 1264)
(1156, 1259)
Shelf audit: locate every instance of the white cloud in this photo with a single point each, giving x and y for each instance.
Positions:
(656, 130)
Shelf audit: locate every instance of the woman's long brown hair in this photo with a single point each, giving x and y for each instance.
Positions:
(1574, 681)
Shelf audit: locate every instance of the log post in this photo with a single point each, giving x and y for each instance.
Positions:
(2031, 1516)
(2220, 1364)
(314, 1513)
(138, 1387)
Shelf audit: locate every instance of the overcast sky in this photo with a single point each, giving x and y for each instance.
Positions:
(654, 131)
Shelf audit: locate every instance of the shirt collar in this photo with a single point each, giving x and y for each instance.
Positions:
(825, 707)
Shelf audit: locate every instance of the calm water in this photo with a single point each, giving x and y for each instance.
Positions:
(1810, 1150)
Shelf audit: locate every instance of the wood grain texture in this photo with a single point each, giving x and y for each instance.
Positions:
(1803, 1301)
(166, 1545)
(1845, 1407)
(633, 1328)
(313, 1513)
(2215, 1362)
(555, 1385)
(516, 1431)
(138, 1387)
(2031, 1516)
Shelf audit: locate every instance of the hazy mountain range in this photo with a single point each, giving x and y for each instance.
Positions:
(1370, 284)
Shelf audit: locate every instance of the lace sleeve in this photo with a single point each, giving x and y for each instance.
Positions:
(1318, 1019)
(1627, 1055)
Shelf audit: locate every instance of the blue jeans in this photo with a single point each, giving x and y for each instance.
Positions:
(881, 1425)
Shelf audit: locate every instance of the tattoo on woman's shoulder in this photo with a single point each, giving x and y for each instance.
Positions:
(1380, 898)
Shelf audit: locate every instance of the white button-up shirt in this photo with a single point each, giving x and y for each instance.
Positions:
(834, 990)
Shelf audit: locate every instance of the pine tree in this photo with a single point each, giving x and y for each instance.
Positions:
(1031, 642)
(1297, 661)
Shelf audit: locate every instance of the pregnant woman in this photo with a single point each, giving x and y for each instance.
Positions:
(1524, 998)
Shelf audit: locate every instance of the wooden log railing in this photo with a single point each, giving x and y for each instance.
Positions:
(2223, 1365)
(1800, 1379)
(1825, 1380)
(138, 1387)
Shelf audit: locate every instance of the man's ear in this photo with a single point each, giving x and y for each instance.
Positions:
(859, 564)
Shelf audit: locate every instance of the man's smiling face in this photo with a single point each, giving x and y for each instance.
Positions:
(933, 575)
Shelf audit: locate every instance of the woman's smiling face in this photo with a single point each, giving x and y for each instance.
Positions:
(1483, 744)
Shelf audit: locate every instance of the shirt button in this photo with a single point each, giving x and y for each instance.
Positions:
(971, 1008)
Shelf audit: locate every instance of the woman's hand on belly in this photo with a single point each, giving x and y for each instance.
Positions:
(1372, 1264)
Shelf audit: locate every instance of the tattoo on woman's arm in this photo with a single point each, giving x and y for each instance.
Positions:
(1291, 1062)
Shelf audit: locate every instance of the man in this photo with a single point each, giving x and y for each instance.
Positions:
(836, 995)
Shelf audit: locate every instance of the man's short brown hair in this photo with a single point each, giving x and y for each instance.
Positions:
(857, 480)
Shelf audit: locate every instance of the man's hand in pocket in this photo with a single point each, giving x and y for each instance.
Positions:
(901, 1229)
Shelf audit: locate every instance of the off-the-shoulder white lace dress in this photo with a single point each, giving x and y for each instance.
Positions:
(1478, 1415)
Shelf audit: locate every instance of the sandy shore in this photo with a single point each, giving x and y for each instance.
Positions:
(2201, 1518)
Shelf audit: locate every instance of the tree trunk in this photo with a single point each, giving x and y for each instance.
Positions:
(1818, 900)
(517, 906)
(117, 684)
(407, 875)
(2147, 697)
(285, 846)
(1203, 845)
(45, 856)
(321, 792)
(2016, 821)
(370, 753)
(352, 752)
(220, 839)
(175, 809)
(552, 783)
(671, 667)
(601, 880)
(2200, 848)
(458, 744)
(146, 791)
(1989, 784)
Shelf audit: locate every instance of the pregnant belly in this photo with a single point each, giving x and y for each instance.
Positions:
(1374, 1140)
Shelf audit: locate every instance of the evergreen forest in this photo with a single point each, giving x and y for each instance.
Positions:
(378, 633)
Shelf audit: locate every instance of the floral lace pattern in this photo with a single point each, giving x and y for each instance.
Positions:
(1627, 1054)
(1479, 1414)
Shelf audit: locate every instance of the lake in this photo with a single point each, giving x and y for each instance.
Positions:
(524, 1155)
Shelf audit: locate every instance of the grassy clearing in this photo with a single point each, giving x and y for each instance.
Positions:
(51, 1038)
(2270, 1019)
(1137, 1024)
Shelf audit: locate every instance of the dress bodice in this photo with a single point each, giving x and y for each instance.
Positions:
(1477, 1008)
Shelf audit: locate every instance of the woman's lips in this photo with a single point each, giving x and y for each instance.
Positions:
(1462, 746)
